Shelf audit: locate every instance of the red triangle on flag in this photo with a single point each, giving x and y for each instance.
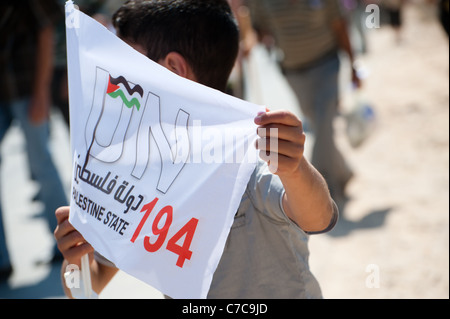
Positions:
(111, 87)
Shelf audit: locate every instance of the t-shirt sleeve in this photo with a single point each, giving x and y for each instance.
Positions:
(266, 193)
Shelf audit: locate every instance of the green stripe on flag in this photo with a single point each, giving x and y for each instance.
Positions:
(129, 104)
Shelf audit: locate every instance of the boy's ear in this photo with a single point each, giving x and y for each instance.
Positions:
(176, 63)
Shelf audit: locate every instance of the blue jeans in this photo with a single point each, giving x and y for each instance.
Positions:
(41, 164)
(317, 89)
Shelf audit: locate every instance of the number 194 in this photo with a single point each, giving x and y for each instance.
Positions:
(182, 251)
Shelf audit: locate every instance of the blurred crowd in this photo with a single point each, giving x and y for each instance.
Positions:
(308, 36)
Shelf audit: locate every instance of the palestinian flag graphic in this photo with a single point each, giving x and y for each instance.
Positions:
(115, 100)
(116, 87)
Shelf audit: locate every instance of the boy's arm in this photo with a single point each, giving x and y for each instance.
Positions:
(307, 200)
(73, 246)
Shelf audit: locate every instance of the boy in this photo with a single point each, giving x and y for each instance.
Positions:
(266, 252)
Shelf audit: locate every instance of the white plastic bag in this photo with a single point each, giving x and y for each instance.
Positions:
(360, 121)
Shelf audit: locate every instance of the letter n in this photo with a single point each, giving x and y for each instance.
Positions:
(173, 157)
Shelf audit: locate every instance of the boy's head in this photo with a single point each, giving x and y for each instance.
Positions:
(203, 33)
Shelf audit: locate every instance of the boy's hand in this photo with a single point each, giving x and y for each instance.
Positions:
(281, 141)
(70, 242)
(307, 200)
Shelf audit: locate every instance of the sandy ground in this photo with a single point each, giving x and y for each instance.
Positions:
(393, 237)
(392, 240)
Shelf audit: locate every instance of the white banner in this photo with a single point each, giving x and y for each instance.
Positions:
(160, 163)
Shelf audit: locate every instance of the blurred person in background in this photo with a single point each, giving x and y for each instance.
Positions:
(443, 14)
(311, 33)
(354, 10)
(394, 10)
(26, 66)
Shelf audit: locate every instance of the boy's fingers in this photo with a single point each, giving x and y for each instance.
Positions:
(62, 213)
(71, 243)
(282, 132)
(73, 256)
(71, 239)
(289, 149)
(277, 117)
(63, 229)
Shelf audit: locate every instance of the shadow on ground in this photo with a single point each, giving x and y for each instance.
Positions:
(374, 219)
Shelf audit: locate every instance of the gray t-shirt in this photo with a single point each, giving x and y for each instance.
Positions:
(266, 254)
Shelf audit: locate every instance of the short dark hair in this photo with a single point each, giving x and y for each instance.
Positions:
(204, 32)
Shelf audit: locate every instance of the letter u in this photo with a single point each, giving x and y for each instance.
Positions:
(107, 124)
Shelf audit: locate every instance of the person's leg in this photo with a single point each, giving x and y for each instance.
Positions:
(42, 166)
(60, 92)
(317, 91)
(5, 262)
(303, 87)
